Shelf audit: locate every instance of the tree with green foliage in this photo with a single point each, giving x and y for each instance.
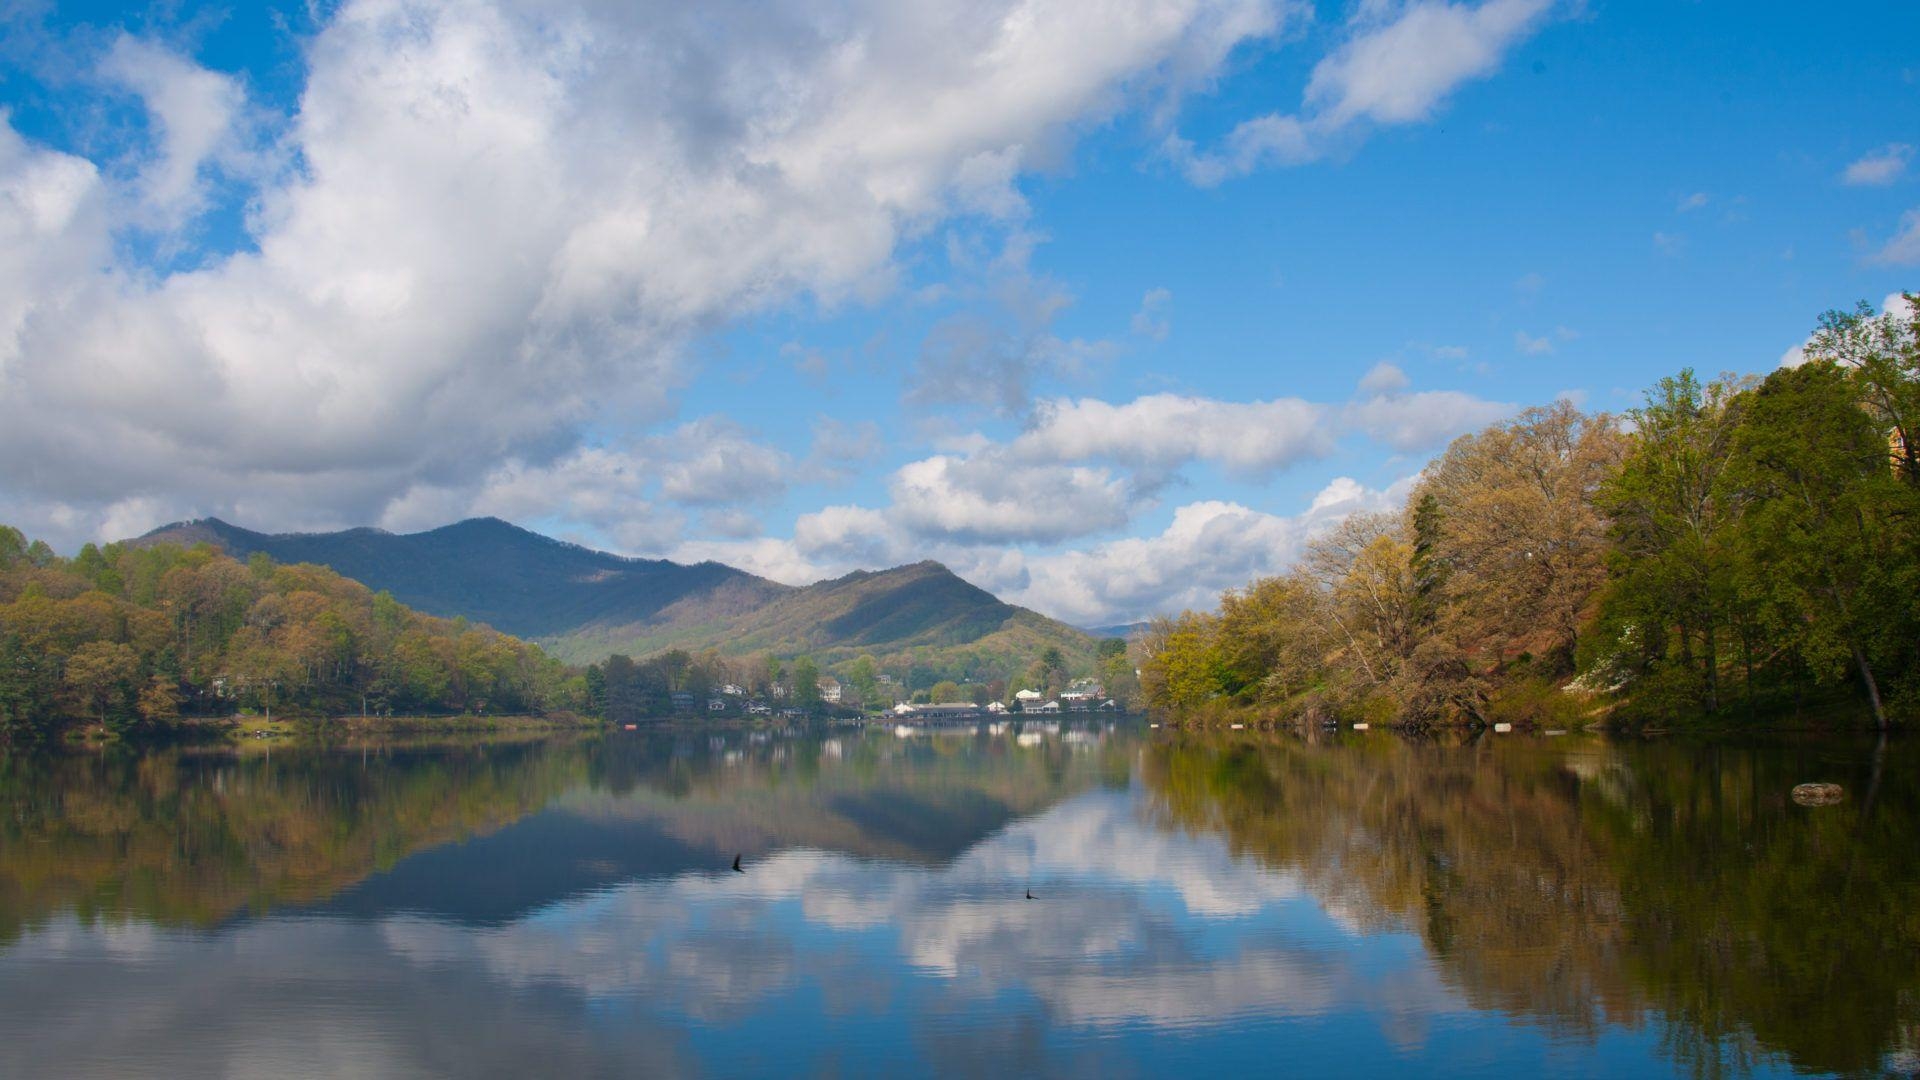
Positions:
(596, 689)
(29, 683)
(863, 675)
(1830, 529)
(1115, 669)
(806, 683)
(1674, 586)
(1881, 354)
(1053, 670)
(98, 675)
(159, 701)
(1185, 664)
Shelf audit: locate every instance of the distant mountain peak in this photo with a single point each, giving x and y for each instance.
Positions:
(487, 524)
(586, 604)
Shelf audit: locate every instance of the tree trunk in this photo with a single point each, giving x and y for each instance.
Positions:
(1712, 657)
(1746, 659)
(1873, 688)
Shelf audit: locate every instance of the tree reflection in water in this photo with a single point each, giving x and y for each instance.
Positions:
(1589, 883)
(1210, 887)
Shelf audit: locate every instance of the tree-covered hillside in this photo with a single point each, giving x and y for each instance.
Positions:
(138, 637)
(948, 628)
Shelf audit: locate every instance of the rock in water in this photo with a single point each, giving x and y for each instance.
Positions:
(1817, 794)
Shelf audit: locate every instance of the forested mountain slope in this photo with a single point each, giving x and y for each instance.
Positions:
(514, 580)
(584, 605)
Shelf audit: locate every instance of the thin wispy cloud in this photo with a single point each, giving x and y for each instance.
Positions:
(1880, 167)
(1903, 247)
(1396, 67)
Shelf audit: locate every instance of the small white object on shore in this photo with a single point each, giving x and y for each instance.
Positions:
(1359, 727)
(1502, 728)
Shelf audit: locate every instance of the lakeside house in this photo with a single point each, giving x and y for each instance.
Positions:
(830, 691)
(953, 708)
(1029, 698)
(1082, 690)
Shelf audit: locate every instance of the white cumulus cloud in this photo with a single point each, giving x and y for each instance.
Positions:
(977, 499)
(506, 220)
(1209, 547)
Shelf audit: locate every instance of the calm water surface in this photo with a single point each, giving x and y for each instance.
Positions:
(1357, 905)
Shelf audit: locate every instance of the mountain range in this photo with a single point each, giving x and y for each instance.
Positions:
(584, 605)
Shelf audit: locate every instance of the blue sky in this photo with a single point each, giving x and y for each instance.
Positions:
(1108, 306)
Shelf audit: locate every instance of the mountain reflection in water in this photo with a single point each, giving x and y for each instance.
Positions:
(1363, 904)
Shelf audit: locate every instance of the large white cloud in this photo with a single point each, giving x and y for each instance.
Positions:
(1209, 547)
(982, 498)
(477, 248)
(500, 220)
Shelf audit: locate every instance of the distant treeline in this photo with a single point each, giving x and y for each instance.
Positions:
(140, 637)
(623, 689)
(1733, 548)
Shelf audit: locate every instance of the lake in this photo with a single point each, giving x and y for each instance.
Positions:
(1360, 904)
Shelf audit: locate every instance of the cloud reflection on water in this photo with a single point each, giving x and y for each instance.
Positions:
(1122, 935)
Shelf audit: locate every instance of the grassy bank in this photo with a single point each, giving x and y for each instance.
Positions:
(257, 730)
